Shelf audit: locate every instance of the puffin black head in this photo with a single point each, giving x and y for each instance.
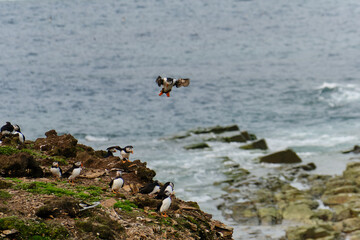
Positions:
(16, 128)
(55, 164)
(159, 81)
(129, 149)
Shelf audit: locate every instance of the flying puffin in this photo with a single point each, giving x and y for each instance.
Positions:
(74, 171)
(168, 187)
(111, 151)
(168, 83)
(18, 132)
(150, 188)
(165, 204)
(125, 153)
(7, 128)
(117, 182)
(56, 170)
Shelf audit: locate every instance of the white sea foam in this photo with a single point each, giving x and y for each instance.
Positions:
(337, 95)
(90, 138)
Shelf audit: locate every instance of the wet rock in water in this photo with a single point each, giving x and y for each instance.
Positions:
(298, 212)
(269, 216)
(235, 138)
(54, 145)
(216, 129)
(197, 146)
(286, 156)
(20, 165)
(321, 231)
(259, 144)
(356, 150)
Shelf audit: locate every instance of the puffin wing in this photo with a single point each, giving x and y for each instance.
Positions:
(159, 81)
(68, 172)
(147, 189)
(182, 82)
(111, 182)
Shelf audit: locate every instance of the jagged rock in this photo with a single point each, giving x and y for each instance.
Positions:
(286, 156)
(235, 138)
(64, 145)
(197, 146)
(20, 165)
(298, 212)
(324, 231)
(259, 144)
(356, 149)
(340, 198)
(269, 216)
(351, 225)
(216, 129)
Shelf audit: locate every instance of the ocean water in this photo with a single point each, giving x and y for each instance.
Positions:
(285, 71)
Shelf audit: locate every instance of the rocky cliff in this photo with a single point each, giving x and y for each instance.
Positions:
(35, 205)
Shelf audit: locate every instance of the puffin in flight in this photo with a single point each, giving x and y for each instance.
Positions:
(167, 188)
(74, 171)
(150, 188)
(117, 183)
(56, 170)
(165, 204)
(168, 83)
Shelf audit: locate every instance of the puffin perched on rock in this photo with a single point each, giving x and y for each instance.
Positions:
(168, 83)
(117, 183)
(167, 188)
(7, 128)
(165, 204)
(74, 171)
(125, 153)
(56, 170)
(18, 132)
(150, 188)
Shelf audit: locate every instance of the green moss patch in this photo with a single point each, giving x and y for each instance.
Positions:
(6, 150)
(125, 205)
(31, 229)
(4, 195)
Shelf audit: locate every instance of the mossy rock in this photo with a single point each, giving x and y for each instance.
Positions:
(259, 144)
(235, 138)
(287, 156)
(324, 231)
(197, 146)
(216, 129)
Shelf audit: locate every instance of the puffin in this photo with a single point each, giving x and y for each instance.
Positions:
(56, 170)
(168, 83)
(18, 132)
(125, 153)
(7, 128)
(165, 204)
(150, 188)
(111, 150)
(168, 187)
(74, 171)
(117, 183)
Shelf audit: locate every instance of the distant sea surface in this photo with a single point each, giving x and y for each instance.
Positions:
(287, 71)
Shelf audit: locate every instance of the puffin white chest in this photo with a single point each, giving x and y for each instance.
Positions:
(117, 184)
(56, 171)
(155, 190)
(75, 173)
(165, 204)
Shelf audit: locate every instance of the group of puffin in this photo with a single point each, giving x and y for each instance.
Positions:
(8, 129)
(165, 192)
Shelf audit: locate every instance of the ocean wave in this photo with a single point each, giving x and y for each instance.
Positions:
(337, 95)
(90, 138)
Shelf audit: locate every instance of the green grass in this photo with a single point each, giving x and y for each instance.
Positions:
(31, 229)
(125, 205)
(6, 150)
(4, 195)
(90, 193)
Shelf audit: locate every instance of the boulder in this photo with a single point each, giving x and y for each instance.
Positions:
(259, 144)
(298, 212)
(286, 156)
(20, 165)
(323, 231)
(235, 138)
(197, 146)
(356, 149)
(216, 129)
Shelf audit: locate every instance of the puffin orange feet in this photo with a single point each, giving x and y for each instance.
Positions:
(161, 93)
(168, 94)
(164, 214)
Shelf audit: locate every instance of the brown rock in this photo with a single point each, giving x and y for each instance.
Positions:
(286, 156)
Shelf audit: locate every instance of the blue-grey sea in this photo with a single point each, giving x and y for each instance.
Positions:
(287, 71)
